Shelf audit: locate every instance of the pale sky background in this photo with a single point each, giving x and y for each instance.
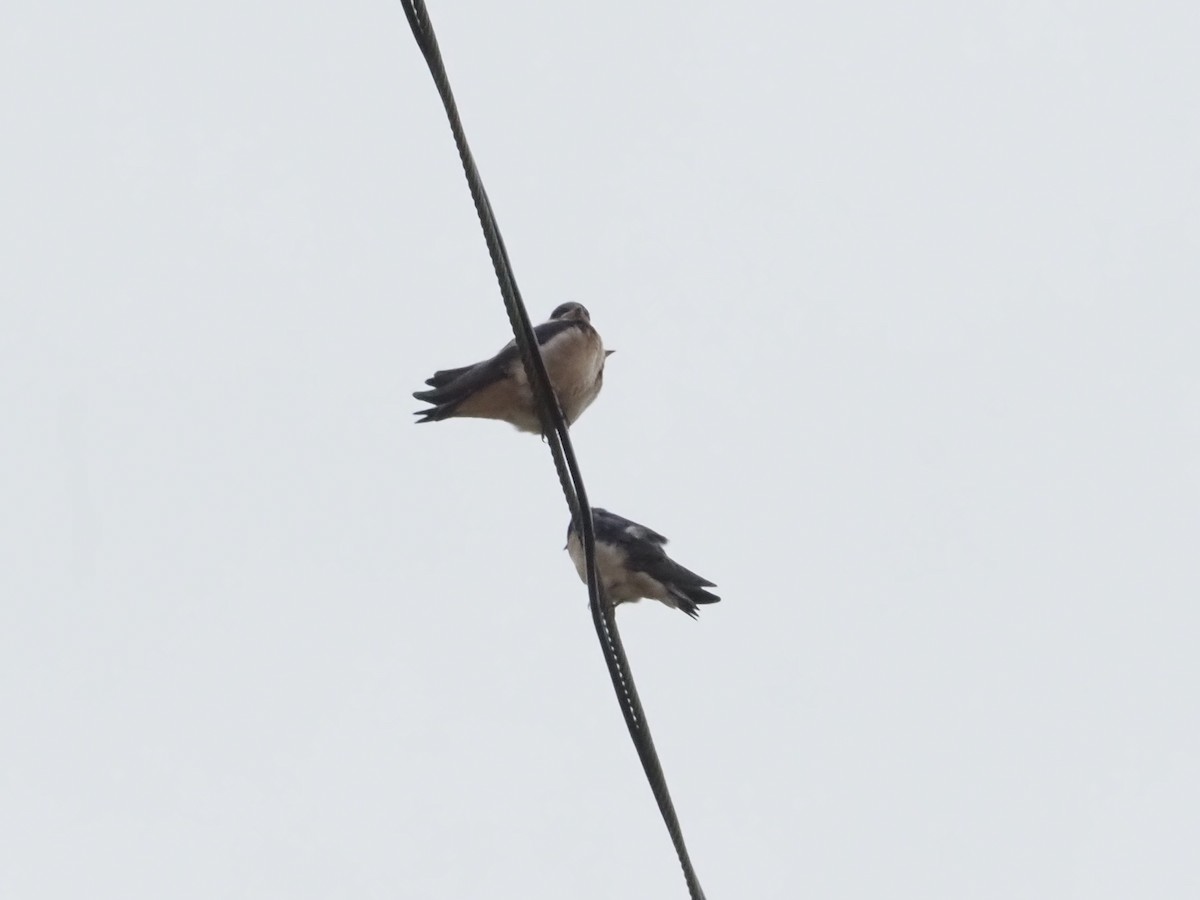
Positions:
(906, 301)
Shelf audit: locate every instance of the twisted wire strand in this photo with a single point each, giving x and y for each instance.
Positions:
(554, 429)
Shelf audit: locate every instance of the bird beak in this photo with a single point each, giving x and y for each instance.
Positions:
(608, 353)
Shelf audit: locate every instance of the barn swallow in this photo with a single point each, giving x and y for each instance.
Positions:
(498, 389)
(632, 564)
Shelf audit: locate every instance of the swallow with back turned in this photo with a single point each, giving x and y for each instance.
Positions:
(497, 388)
(632, 565)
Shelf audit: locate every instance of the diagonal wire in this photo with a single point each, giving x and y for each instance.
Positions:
(554, 429)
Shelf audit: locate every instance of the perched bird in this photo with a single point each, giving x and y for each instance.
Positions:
(498, 389)
(632, 564)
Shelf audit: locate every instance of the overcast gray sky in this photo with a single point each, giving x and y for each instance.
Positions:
(907, 305)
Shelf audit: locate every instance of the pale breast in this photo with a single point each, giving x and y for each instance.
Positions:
(574, 361)
(620, 584)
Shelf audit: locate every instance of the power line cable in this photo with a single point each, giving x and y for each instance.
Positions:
(554, 428)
